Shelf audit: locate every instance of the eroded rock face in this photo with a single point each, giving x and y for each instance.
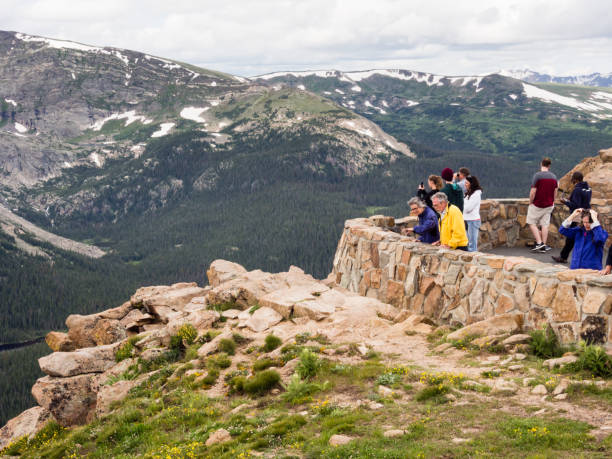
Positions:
(27, 423)
(80, 329)
(263, 318)
(86, 360)
(112, 393)
(59, 342)
(71, 401)
(175, 297)
(107, 331)
(221, 271)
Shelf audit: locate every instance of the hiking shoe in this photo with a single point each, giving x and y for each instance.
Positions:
(538, 247)
(559, 259)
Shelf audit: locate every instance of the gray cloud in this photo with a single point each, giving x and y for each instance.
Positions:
(254, 37)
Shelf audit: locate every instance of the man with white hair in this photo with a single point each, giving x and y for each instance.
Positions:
(452, 226)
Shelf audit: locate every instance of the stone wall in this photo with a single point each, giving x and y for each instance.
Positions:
(504, 223)
(461, 288)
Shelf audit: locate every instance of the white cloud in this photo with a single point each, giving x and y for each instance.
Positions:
(247, 38)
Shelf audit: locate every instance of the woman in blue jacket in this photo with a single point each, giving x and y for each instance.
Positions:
(589, 239)
(579, 199)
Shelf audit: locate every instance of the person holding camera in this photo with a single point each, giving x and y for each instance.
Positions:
(579, 199)
(589, 239)
(460, 178)
(435, 185)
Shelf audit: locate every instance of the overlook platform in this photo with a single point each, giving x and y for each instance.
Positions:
(460, 288)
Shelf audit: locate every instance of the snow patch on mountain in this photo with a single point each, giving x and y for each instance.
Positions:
(193, 113)
(164, 129)
(594, 104)
(20, 128)
(97, 159)
(354, 77)
(318, 73)
(130, 117)
(11, 101)
(65, 44)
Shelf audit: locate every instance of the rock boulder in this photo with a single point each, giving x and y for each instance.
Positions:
(27, 423)
(71, 401)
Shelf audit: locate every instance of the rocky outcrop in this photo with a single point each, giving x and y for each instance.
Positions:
(71, 401)
(86, 360)
(27, 423)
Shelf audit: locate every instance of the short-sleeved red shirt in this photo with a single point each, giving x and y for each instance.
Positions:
(545, 183)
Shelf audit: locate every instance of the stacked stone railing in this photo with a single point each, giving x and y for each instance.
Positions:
(504, 223)
(460, 288)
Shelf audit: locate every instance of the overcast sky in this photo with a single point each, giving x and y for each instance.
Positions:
(252, 37)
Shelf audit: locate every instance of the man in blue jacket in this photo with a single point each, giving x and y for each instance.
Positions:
(427, 229)
(589, 239)
(579, 199)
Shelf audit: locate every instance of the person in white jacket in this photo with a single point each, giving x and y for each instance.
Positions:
(471, 211)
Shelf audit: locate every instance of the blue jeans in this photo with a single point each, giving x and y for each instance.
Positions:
(472, 234)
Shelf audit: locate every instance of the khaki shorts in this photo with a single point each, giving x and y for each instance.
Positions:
(539, 215)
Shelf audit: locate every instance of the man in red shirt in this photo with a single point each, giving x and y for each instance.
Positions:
(541, 203)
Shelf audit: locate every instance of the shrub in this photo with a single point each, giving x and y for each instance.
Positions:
(176, 342)
(263, 364)
(219, 361)
(187, 333)
(209, 336)
(271, 343)
(433, 392)
(239, 339)
(544, 343)
(301, 338)
(126, 350)
(220, 307)
(262, 382)
(389, 379)
(594, 360)
(228, 346)
(211, 378)
(309, 364)
(299, 391)
(236, 384)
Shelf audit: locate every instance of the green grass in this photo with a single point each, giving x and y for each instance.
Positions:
(161, 420)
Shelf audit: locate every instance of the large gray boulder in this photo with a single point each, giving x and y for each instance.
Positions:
(27, 423)
(497, 325)
(82, 361)
(71, 401)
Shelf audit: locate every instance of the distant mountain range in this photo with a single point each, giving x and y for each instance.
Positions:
(603, 80)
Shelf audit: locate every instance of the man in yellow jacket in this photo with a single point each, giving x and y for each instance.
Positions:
(452, 226)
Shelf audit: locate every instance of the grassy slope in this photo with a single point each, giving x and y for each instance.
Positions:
(170, 415)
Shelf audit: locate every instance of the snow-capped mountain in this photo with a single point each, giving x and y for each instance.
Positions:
(603, 80)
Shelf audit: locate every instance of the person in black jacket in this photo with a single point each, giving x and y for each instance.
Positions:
(579, 199)
(608, 268)
(435, 185)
